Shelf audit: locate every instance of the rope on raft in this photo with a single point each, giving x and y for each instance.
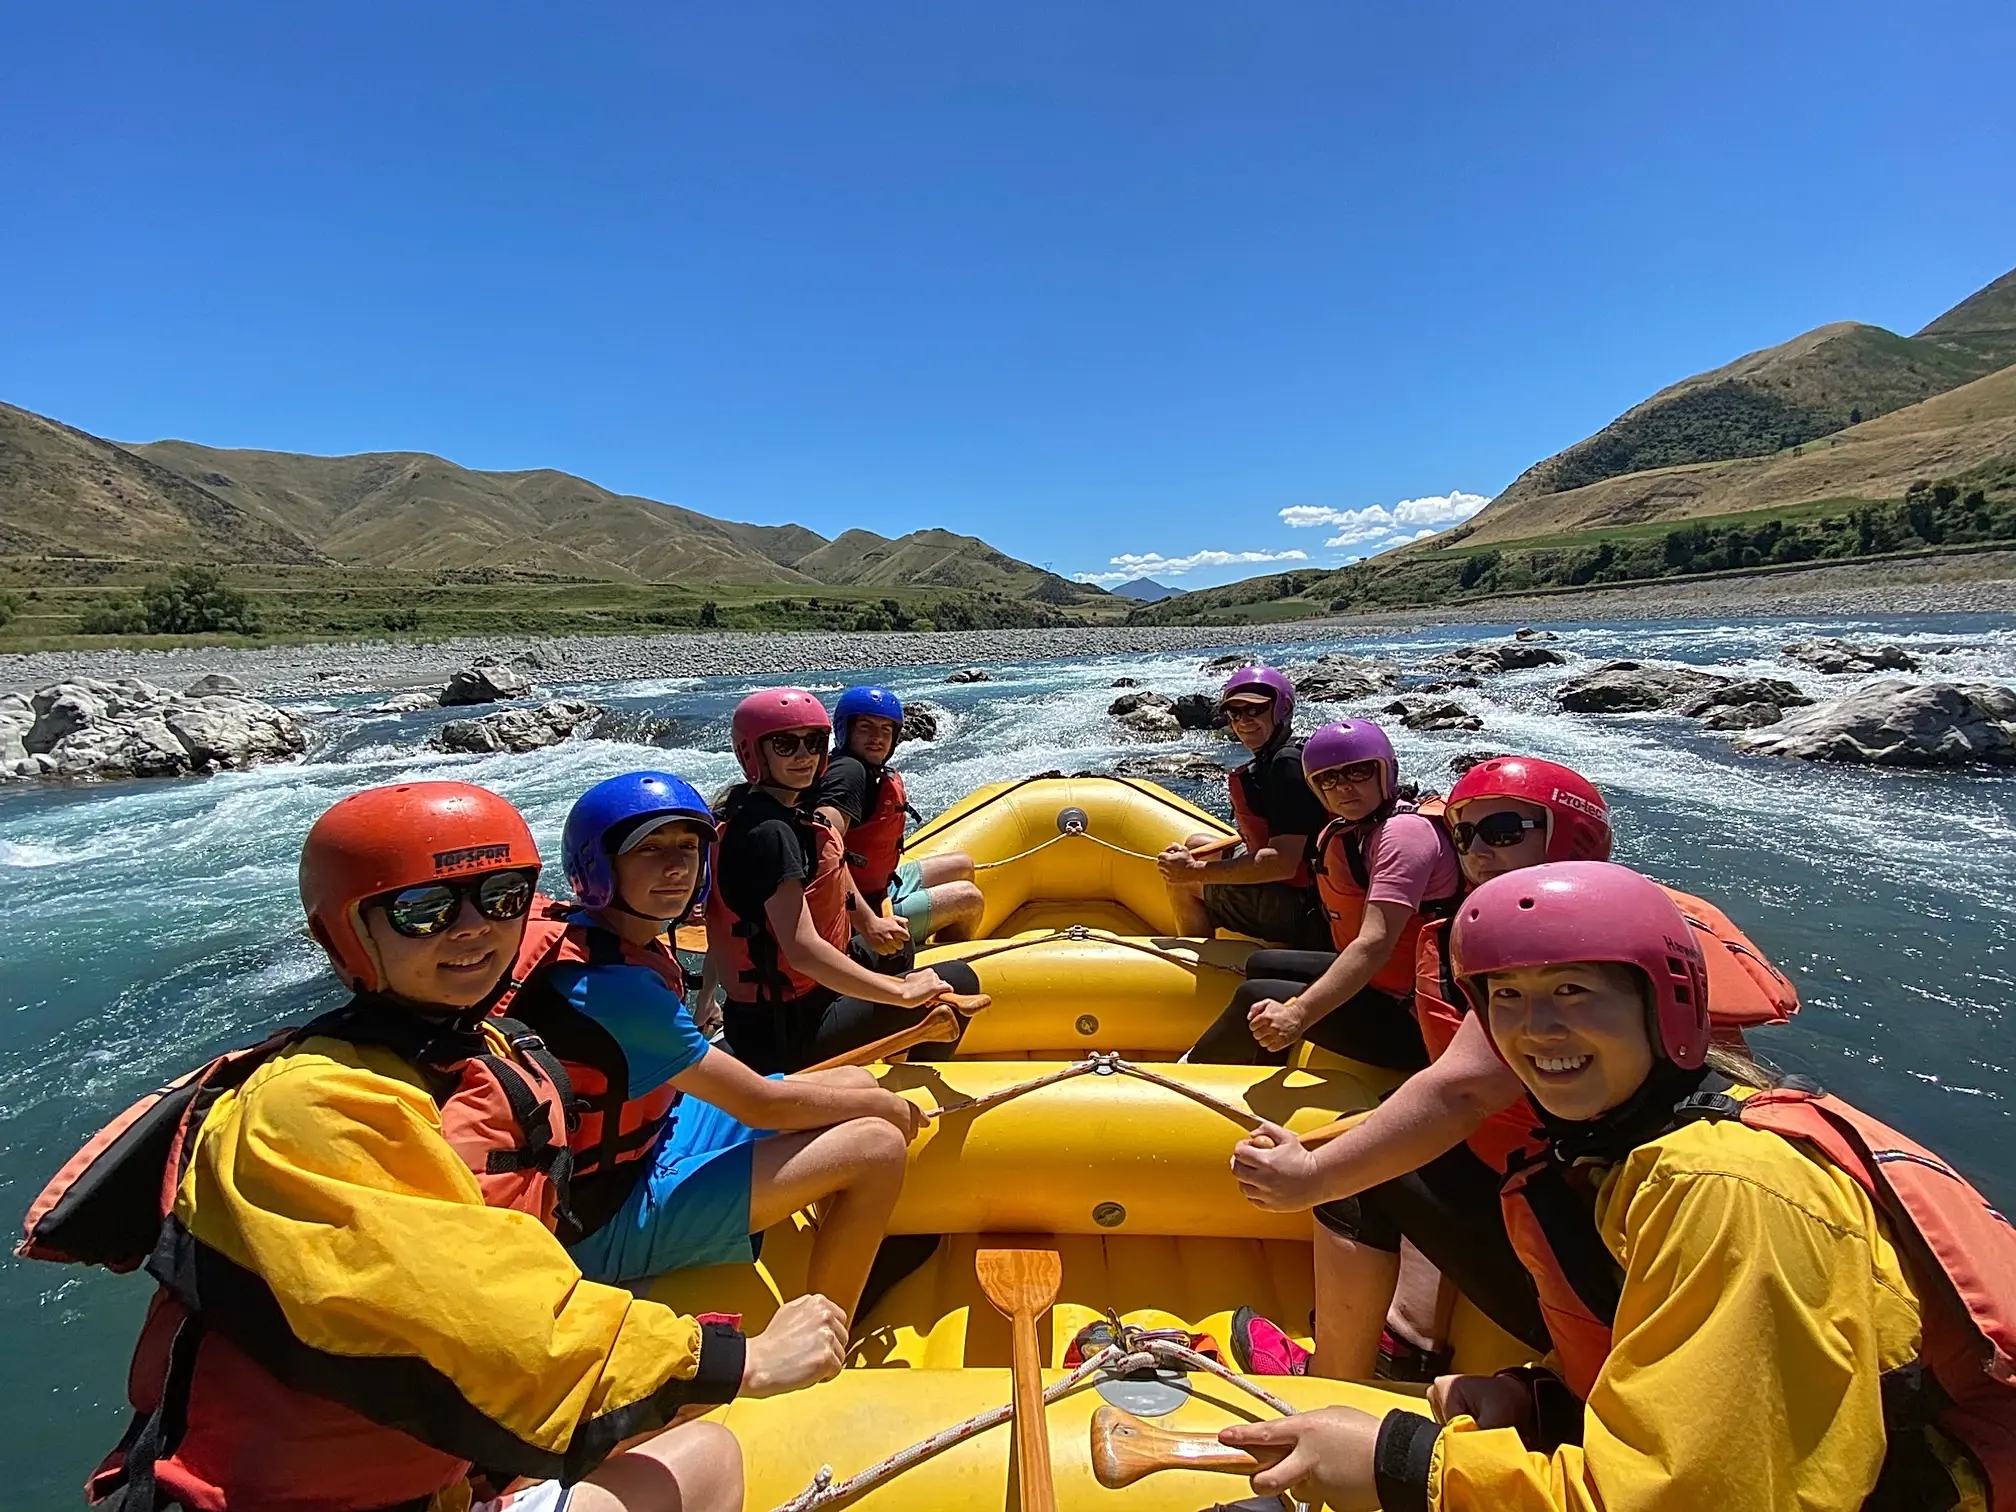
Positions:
(1139, 1349)
(1101, 1063)
(1103, 937)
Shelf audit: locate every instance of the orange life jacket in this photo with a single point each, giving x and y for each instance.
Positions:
(1243, 787)
(755, 970)
(1744, 991)
(1342, 880)
(217, 1375)
(1961, 1254)
(875, 841)
(613, 1132)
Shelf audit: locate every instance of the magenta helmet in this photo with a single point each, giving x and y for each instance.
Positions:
(1563, 911)
(1350, 740)
(1266, 680)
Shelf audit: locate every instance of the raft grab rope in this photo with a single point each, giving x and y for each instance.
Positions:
(1101, 1063)
(1138, 1350)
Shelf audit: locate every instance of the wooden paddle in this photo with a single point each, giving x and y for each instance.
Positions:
(1216, 847)
(1318, 1137)
(938, 1027)
(1022, 1283)
(1124, 1448)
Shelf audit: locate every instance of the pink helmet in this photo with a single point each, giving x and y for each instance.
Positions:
(1578, 824)
(1564, 911)
(1261, 679)
(766, 713)
(1350, 740)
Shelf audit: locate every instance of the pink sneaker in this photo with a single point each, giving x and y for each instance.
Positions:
(1261, 1348)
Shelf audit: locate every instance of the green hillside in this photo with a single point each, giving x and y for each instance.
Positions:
(1983, 325)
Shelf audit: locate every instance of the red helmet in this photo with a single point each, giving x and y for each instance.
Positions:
(1578, 821)
(1564, 911)
(768, 712)
(386, 838)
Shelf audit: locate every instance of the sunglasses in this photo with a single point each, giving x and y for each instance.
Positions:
(1499, 831)
(1358, 773)
(1249, 710)
(418, 912)
(784, 743)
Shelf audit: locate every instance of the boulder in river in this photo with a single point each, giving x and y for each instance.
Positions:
(86, 728)
(1835, 656)
(1231, 661)
(1462, 761)
(485, 680)
(527, 729)
(214, 682)
(969, 675)
(1151, 722)
(1127, 703)
(1437, 714)
(1187, 766)
(1342, 679)
(1744, 690)
(1528, 633)
(920, 720)
(1126, 682)
(1629, 687)
(1509, 656)
(1742, 716)
(1197, 711)
(1898, 723)
(408, 701)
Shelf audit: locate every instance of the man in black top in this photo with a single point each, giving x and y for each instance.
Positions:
(1268, 892)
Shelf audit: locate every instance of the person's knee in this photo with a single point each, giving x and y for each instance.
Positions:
(695, 1467)
(854, 1078)
(959, 976)
(1358, 1221)
(957, 900)
(878, 1149)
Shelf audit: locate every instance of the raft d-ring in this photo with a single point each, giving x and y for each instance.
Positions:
(1104, 1062)
(1087, 1025)
(1072, 821)
(1077, 932)
(1109, 1215)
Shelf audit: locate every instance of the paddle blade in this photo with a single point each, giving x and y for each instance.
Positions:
(1020, 1280)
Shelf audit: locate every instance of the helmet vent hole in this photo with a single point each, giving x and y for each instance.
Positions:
(1523, 903)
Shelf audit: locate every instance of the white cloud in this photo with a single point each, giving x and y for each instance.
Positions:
(1377, 521)
(1153, 564)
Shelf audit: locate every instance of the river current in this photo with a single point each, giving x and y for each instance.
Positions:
(144, 926)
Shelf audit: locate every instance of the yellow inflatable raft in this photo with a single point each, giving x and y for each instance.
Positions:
(1065, 1124)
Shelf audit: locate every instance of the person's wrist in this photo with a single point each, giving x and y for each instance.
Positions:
(756, 1378)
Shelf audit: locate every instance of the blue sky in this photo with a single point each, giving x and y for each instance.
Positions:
(1199, 289)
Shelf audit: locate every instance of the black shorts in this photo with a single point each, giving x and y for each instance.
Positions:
(1275, 912)
(770, 1038)
(1374, 1027)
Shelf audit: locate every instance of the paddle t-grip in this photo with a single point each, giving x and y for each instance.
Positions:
(1125, 1448)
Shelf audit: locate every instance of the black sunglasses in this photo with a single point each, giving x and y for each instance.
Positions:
(418, 912)
(784, 743)
(1498, 830)
(1356, 773)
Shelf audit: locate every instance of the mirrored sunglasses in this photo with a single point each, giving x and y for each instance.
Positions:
(417, 912)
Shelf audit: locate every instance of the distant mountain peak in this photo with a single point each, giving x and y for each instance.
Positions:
(1147, 590)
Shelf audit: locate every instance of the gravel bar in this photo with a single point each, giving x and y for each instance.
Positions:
(1984, 583)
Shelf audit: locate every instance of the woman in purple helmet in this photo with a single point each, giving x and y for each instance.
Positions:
(1380, 868)
(1268, 892)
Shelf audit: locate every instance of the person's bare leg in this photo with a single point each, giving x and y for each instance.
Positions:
(854, 1172)
(1354, 1287)
(953, 866)
(1187, 899)
(694, 1467)
(955, 910)
(1423, 1301)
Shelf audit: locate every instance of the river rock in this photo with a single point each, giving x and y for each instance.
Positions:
(1462, 761)
(1231, 661)
(1188, 766)
(1629, 687)
(1744, 690)
(528, 729)
(1341, 679)
(1528, 633)
(1440, 714)
(1898, 723)
(84, 728)
(1151, 722)
(1831, 655)
(407, 702)
(969, 675)
(213, 682)
(1127, 703)
(1197, 711)
(1510, 656)
(1742, 716)
(1444, 684)
(921, 720)
(638, 727)
(1125, 682)
(485, 680)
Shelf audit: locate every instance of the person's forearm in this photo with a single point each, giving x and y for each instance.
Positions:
(807, 1103)
(835, 969)
(1343, 979)
(1426, 1117)
(1264, 865)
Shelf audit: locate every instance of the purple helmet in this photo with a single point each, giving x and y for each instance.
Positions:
(1260, 679)
(1350, 740)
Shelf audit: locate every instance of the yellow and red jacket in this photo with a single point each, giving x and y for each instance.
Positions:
(360, 1294)
(1764, 1305)
(754, 969)
(612, 1131)
(875, 841)
(1342, 881)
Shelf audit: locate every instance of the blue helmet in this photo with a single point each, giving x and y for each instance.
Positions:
(877, 703)
(618, 805)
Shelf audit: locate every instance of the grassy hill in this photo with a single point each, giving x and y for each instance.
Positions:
(409, 541)
(1983, 324)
